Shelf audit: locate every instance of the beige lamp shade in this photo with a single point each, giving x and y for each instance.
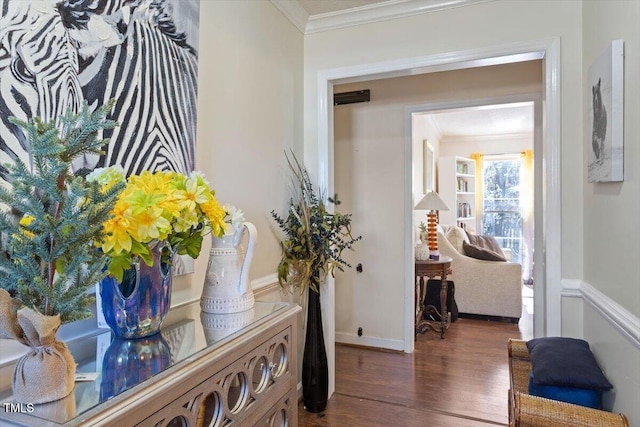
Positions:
(432, 202)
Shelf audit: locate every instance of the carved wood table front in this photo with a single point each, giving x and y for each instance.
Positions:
(431, 269)
(203, 370)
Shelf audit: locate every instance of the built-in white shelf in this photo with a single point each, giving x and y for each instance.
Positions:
(457, 188)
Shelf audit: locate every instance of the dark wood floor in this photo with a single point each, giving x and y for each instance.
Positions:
(456, 382)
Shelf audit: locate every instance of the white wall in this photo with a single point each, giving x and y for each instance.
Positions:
(597, 220)
(369, 177)
(491, 25)
(422, 128)
(611, 227)
(485, 25)
(610, 256)
(249, 113)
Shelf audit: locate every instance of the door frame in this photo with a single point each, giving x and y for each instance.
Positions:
(547, 285)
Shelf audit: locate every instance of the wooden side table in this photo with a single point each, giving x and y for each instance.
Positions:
(431, 269)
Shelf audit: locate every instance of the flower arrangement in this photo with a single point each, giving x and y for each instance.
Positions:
(314, 237)
(154, 207)
(51, 217)
(233, 218)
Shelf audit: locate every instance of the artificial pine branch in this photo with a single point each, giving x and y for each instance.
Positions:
(49, 256)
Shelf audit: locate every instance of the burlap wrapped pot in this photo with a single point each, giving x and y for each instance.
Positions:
(47, 372)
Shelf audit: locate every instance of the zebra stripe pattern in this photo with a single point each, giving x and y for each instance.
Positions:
(124, 49)
(38, 72)
(156, 98)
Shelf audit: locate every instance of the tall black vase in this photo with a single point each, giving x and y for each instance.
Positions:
(315, 370)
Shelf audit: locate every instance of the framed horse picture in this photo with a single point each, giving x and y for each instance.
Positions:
(604, 135)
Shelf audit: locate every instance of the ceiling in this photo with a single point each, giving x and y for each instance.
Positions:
(502, 119)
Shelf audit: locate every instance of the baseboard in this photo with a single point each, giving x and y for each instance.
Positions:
(489, 318)
(265, 288)
(267, 281)
(366, 341)
(619, 317)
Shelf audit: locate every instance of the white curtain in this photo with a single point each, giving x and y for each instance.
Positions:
(526, 204)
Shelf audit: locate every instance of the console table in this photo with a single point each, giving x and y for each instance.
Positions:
(432, 268)
(208, 370)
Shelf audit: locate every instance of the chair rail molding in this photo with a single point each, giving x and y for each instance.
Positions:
(619, 317)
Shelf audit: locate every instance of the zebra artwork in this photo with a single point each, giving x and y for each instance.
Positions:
(155, 85)
(143, 53)
(38, 72)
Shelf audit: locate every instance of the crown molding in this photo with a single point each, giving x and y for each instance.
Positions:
(294, 12)
(376, 12)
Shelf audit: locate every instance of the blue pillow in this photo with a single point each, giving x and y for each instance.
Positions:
(565, 362)
(577, 396)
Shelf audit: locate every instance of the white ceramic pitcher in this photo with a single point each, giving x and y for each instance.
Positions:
(226, 284)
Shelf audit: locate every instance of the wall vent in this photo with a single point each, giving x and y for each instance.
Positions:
(351, 97)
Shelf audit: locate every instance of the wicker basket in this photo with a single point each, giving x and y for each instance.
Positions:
(530, 411)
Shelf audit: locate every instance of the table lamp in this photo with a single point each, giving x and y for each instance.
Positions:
(432, 203)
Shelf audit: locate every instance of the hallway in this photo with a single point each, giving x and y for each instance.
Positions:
(461, 381)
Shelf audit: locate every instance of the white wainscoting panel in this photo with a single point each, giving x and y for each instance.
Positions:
(619, 317)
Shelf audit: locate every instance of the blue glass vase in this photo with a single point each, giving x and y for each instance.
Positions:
(136, 306)
(127, 363)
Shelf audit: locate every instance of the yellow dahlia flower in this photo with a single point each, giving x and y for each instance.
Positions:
(160, 206)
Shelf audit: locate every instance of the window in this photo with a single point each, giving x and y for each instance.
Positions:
(501, 202)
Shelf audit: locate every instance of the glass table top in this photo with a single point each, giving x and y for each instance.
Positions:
(116, 365)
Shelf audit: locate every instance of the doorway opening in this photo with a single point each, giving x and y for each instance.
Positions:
(498, 136)
(548, 263)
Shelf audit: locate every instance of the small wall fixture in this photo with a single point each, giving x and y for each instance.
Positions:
(351, 97)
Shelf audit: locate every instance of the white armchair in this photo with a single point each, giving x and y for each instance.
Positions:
(492, 288)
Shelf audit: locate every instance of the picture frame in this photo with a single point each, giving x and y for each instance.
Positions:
(429, 167)
(604, 137)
